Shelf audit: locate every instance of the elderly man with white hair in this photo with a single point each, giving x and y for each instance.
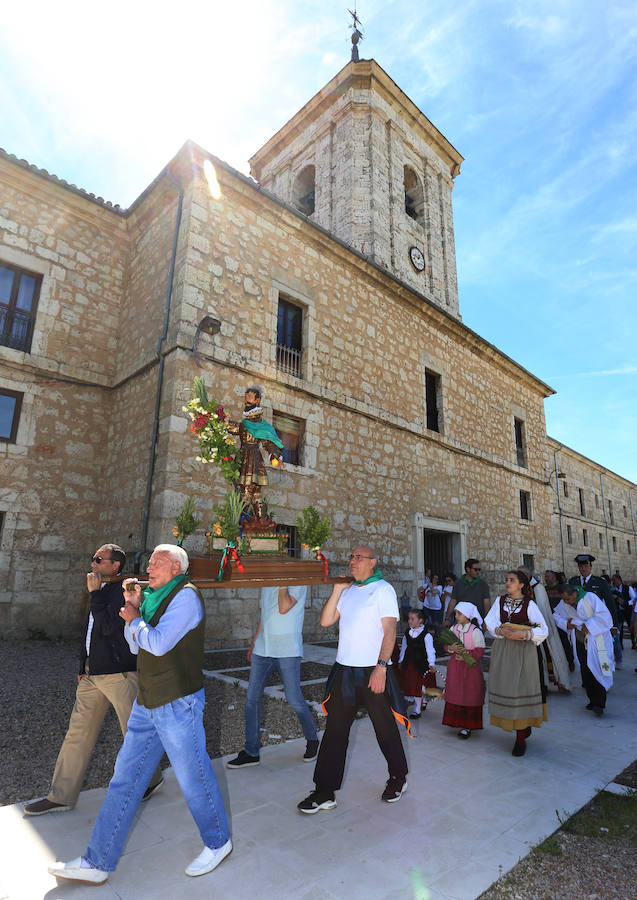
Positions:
(165, 627)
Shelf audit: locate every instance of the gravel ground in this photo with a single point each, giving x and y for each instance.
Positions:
(39, 680)
(590, 857)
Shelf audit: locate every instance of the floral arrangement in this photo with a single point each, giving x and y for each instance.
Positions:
(312, 530)
(186, 523)
(227, 521)
(209, 426)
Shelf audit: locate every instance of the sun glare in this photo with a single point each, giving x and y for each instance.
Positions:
(211, 177)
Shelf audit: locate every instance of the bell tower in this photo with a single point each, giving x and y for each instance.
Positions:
(364, 162)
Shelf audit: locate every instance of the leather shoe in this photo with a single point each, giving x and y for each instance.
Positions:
(518, 749)
(41, 807)
(208, 859)
(73, 871)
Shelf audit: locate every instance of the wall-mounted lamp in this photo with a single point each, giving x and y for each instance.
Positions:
(208, 325)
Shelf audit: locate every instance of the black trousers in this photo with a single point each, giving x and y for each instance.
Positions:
(595, 691)
(330, 765)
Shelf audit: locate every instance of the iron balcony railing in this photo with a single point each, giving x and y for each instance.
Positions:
(288, 360)
(15, 329)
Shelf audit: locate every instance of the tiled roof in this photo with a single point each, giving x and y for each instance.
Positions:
(42, 173)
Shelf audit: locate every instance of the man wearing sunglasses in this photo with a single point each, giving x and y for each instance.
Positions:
(107, 675)
(470, 589)
(366, 612)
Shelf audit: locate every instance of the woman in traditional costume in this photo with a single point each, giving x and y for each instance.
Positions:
(464, 687)
(516, 700)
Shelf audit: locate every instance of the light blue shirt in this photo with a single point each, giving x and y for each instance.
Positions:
(281, 634)
(183, 614)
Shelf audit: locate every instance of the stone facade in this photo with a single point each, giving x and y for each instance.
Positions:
(593, 512)
(122, 293)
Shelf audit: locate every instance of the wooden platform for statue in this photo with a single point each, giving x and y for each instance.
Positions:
(260, 571)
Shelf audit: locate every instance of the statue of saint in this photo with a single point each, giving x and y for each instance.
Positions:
(255, 434)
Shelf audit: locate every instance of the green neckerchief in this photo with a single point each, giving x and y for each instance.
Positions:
(153, 598)
(377, 576)
(262, 431)
(580, 592)
(469, 583)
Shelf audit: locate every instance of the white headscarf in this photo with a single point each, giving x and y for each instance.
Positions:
(468, 610)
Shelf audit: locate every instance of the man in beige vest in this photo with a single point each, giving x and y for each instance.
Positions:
(166, 630)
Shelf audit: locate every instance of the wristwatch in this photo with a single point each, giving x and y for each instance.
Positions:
(382, 662)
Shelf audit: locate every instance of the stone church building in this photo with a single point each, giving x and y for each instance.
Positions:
(329, 278)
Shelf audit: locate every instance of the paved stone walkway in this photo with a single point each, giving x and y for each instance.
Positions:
(471, 811)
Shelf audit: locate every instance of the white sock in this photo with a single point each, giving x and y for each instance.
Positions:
(417, 704)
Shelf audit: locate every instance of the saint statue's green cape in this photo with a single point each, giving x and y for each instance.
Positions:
(262, 431)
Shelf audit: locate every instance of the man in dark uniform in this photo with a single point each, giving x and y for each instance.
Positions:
(603, 590)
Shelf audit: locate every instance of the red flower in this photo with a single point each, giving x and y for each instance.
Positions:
(222, 413)
(199, 422)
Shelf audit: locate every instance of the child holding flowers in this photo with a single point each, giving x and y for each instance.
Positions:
(464, 688)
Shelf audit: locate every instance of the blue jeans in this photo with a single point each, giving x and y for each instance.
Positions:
(177, 728)
(261, 667)
(617, 648)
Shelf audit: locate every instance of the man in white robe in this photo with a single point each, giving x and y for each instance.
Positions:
(589, 622)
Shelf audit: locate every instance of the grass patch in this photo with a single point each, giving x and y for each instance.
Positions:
(609, 816)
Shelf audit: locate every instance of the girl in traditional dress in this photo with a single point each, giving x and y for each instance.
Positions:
(417, 657)
(515, 686)
(464, 688)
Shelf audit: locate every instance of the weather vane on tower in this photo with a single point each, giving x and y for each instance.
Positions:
(357, 35)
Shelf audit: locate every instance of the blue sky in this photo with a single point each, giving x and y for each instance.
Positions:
(539, 97)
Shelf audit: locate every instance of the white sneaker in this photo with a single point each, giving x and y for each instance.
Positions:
(73, 871)
(208, 859)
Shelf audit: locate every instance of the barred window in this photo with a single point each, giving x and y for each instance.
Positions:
(19, 294)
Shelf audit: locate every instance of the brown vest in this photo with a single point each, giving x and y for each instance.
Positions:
(177, 673)
(521, 617)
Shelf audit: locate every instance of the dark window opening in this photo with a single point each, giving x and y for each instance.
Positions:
(528, 560)
(10, 406)
(596, 501)
(520, 443)
(304, 190)
(582, 505)
(611, 514)
(432, 390)
(628, 547)
(289, 338)
(614, 545)
(290, 430)
(19, 294)
(585, 536)
(601, 541)
(414, 198)
(569, 534)
(565, 486)
(292, 546)
(525, 505)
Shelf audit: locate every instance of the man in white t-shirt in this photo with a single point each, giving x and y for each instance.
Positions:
(367, 612)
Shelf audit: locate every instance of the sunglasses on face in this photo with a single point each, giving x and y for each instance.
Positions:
(101, 559)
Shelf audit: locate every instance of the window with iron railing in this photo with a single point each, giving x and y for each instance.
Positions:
(289, 338)
(19, 293)
(292, 546)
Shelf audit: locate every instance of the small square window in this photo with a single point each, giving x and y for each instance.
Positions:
(10, 406)
(292, 545)
(525, 505)
(290, 430)
(528, 560)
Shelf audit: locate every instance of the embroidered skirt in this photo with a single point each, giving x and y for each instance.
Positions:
(515, 690)
(462, 716)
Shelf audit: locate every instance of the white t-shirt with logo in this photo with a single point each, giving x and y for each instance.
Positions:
(360, 627)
